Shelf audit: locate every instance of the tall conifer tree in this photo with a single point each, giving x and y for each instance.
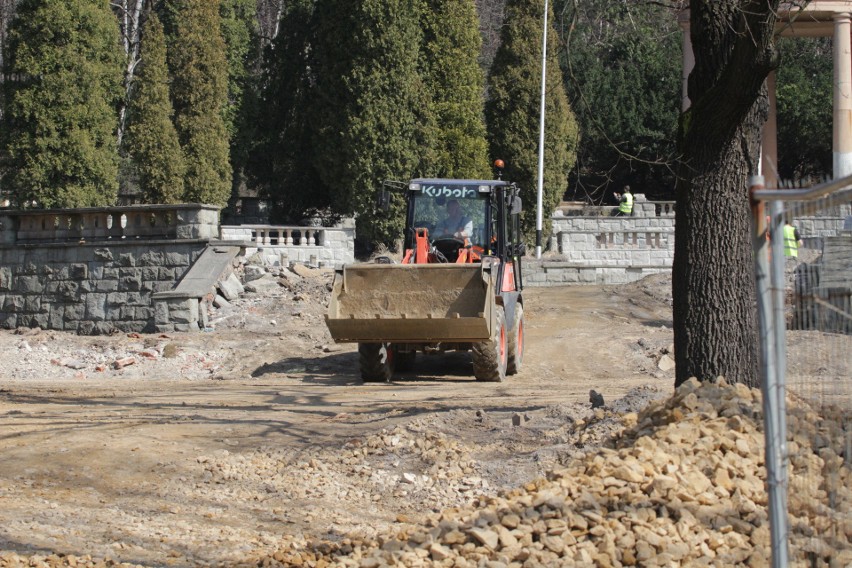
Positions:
(451, 73)
(199, 70)
(512, 112)
(281, 163)
(240, 30)
(64, 70)
(367, 98)
(152, 141)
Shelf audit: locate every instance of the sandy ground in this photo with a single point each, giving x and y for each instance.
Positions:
(220, 447)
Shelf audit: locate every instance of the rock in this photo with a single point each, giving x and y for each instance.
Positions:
(485, 537)
(438, 552)
(230, 287)
(123, 362)
(665, 363)
(252, 272)
(596, 399)
(68, 362)
(305, 271)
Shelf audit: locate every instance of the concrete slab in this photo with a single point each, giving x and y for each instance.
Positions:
(207, 270)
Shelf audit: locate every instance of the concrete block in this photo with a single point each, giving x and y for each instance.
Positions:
(116, 299)
(5, 278)
(8, 320)
(130, 284)
(95, 307)
(203, 314)
(29, 285)
(13, 303)
(161, 313)
(184, 311)
(176, 259)
(587, 275)
(33, 304)
(74, 312)
(164, 273)
(145, 314)
(39, 320)
(230, 287)
(136, 299)
(124, 313)
(56, 317)
(105, 285)
(109, 273)
(161, 286)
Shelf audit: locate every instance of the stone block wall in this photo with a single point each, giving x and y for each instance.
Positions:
(595, 249)
(90, 288)
(815, 229)
(180, 314)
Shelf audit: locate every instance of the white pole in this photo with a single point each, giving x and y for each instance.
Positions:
(541, 139)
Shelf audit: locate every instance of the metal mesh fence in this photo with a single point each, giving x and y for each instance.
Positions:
(806, 327)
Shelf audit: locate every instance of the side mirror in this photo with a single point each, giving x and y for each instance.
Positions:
(383, 200)
(517, 206)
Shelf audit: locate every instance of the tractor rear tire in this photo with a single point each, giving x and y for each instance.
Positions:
(376, 360)
(516, 342)
(490, 357)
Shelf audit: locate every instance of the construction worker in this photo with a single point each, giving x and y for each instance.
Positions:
(625, 202)
(792, 240)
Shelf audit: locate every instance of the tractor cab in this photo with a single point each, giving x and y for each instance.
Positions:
(456, 220)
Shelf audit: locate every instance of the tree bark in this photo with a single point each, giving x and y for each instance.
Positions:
(130, 23)
(715, 320)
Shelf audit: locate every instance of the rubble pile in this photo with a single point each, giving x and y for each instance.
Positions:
(683, 484)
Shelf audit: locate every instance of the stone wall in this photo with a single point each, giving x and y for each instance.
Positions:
(597, 248)
(98, 270)
(95, 288)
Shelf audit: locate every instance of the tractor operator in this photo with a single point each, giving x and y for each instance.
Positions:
(456, 224)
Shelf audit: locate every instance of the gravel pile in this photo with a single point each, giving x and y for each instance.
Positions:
(683, 484)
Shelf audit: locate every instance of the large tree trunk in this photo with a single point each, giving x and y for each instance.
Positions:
(715, 323)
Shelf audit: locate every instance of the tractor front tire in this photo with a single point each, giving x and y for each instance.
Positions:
(491, 357)
(376, 360)
(516, 342)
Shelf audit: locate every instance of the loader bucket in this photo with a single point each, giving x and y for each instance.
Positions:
(412, 303)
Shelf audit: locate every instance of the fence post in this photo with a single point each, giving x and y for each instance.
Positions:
(773, 353)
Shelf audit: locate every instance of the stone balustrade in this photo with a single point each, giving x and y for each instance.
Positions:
(181, 221)
(329, 246)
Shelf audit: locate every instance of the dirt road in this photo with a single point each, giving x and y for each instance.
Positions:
(218, 448)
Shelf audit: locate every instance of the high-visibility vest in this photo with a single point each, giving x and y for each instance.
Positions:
(791, 246)
(626, 206)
